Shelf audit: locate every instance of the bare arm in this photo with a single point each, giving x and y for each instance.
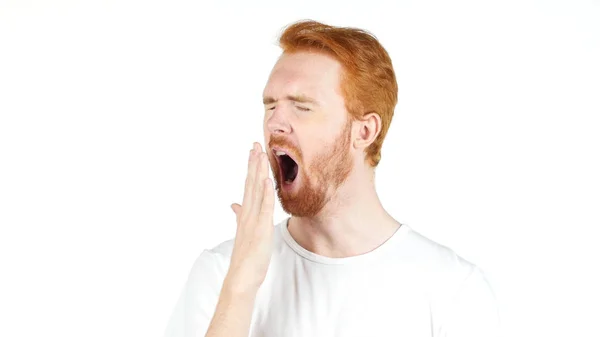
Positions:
(251, 252)
(232, 315)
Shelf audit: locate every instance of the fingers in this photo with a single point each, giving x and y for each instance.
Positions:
(249, 188)
(268, 202)
(237, 208)
(259, 184)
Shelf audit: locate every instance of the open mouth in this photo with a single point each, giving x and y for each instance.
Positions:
(289, 168)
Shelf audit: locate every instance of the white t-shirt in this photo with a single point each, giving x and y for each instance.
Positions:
(409, 286)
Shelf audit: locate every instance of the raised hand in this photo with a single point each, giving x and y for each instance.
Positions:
(253, 243)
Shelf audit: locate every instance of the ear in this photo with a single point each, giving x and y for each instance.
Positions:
(369, 126)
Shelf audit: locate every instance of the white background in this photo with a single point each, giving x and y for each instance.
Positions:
(125, 128)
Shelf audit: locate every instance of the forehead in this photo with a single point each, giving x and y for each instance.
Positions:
(312, 74)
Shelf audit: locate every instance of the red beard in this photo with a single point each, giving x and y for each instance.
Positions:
(314, 186)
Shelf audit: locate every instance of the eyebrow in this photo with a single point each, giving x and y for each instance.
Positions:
(295, 98)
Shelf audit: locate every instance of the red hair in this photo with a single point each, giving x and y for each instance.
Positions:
(368, 82)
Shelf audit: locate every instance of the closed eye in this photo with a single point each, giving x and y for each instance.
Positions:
(301, 108)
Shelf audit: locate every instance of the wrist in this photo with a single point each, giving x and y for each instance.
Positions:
(234, 287)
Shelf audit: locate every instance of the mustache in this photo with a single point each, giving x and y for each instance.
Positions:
(286, 144)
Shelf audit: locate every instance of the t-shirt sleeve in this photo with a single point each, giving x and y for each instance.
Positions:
(473, 311)
(198, 299)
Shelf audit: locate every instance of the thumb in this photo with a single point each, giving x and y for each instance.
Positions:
(236, 209)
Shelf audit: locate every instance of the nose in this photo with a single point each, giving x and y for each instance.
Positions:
(277, 123)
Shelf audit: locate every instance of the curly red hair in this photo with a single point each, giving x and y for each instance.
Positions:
(368, 82)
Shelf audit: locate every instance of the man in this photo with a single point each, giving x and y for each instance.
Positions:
(340, 265)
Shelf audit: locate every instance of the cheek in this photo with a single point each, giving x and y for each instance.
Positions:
(265, 128)
(266, 136)
(313, 150)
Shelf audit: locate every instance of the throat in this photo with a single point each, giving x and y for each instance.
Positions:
(291, 174)
(289, 169)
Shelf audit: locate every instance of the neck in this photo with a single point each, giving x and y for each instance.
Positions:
(352, 223)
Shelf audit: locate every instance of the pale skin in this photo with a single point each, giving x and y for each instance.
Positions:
(353, 222)
(251, 253)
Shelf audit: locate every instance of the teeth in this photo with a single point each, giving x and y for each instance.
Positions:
(280, 153)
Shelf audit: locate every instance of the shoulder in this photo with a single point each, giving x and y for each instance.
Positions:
(212, 264)
(434, 257)
(459, 289)
(222, 251)
(443, 271)
(197, 302)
